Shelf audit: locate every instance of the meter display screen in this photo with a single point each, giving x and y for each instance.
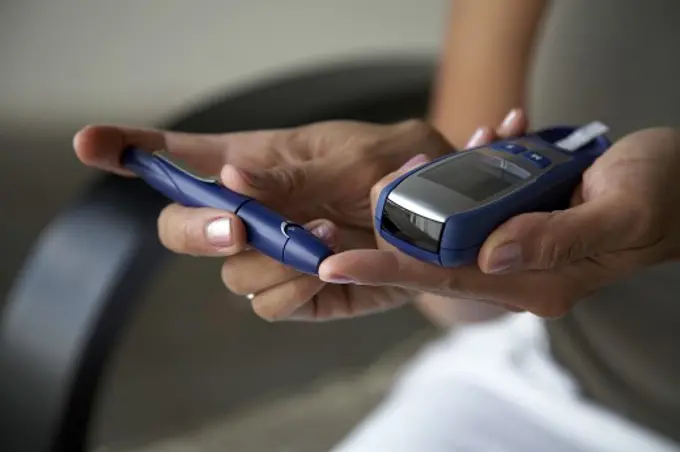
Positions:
(471, 176)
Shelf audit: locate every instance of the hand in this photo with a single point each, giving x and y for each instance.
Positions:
(319, 174)
(623, 216)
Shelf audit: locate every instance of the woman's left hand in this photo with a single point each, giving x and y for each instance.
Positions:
(625, 215)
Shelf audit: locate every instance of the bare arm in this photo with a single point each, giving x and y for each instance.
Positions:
(483, 73)
(484, 64)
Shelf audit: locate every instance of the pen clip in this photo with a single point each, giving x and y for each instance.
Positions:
(181, 166)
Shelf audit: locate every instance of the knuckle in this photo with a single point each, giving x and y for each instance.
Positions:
(292, 178)
(556, 251)
(645, 222)
(416, 127)
(298, 142)
(418, 132)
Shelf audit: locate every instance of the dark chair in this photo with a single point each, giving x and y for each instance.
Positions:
(62, 317)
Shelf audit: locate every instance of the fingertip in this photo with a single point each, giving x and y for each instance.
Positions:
(201, 231)
(502, 259)
(325, 230)
(332, 270)
(85, 143)
(413, 163)
(514, 123)
(100, 147)
(326, 269)
(360, 267)
(483, 135)
(80, 137)
(508, 248)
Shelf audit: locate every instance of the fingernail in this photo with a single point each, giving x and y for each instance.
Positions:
(505, 258)
(413, 162)
(510, 117)
(218, 232)
(476, 138)
(323, 231)
(337, 279)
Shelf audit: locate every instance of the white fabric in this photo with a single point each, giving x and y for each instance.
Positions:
(494, 387)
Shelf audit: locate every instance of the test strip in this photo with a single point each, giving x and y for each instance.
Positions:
(583, 135)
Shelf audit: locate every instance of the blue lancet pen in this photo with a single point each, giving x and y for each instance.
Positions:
(267, 231)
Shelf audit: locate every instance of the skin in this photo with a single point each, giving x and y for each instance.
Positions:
(470, 91)
(623, 217)
(484, 64)
(615, 227)
(479, 99)
(302, 173)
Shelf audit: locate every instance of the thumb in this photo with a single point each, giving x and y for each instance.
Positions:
(542, 241)
(283, 187)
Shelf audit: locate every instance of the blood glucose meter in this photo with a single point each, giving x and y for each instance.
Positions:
(266, 230)
(443, 212)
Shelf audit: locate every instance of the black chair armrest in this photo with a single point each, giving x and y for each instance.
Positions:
(91, 264)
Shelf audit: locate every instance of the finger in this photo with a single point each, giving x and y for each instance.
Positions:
(253, 272)
(102, 146)
(483, 135)
(379, 267)
(287, 188)
(201, 232)
(539, 241)
(282, 300)
(336, 302)
(393, 268)
(544, 293)
(329, 302)
(514, 124)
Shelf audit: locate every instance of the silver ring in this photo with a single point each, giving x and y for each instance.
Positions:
(250, 296)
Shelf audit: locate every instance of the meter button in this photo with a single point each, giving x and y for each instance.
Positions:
(538, 159)
(512, 148)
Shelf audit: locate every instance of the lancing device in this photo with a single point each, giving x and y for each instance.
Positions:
(443, 212)
(267, 231)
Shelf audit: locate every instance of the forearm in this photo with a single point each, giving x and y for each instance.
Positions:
(483, 73)
(484, 64)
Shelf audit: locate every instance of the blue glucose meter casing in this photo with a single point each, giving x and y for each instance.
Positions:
(266, 230)
(442, 213)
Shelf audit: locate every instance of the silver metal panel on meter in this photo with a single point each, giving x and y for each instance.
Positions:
(467, 179)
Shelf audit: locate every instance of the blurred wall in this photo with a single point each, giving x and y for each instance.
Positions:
(67, 63)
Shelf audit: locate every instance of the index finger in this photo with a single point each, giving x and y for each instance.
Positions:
(101, 146)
